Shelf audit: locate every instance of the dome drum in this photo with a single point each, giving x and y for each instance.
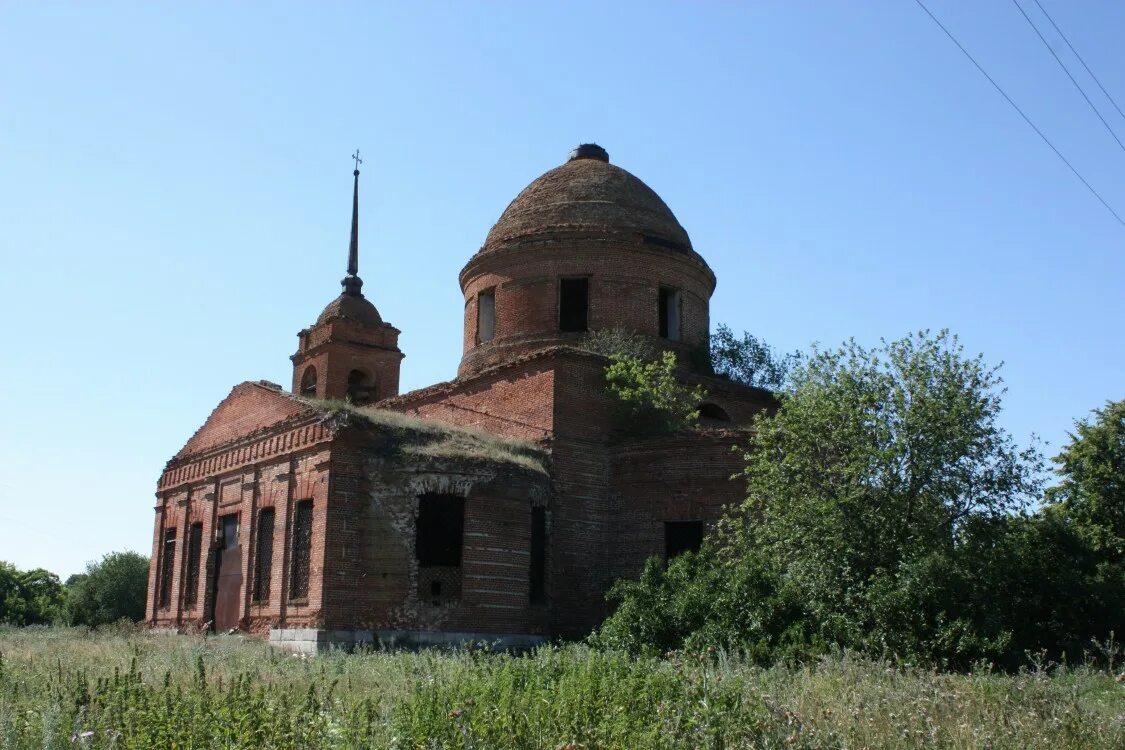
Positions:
(624, 288)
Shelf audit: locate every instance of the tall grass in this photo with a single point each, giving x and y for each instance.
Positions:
(121, 688)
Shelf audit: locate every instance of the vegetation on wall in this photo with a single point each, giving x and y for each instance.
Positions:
(888, 512)
(649, 398)
(427, 438)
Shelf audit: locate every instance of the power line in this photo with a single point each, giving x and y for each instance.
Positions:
(1084, 65)
(1021, 113)
(1068, 74)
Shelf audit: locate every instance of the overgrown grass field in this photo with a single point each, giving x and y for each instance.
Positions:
(72, 688)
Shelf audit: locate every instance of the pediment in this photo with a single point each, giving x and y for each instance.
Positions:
(249, 408)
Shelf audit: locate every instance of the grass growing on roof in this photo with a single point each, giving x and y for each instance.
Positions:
(420, 437)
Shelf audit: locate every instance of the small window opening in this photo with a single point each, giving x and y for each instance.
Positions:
(263, 555)
(302, 550)
(574, 302)
(486, 315)
(713, 412)
(191, 579)
(308, 382)
(167, 560)
(361, 387)
(538, 568)
(669, 313)
(681, 537)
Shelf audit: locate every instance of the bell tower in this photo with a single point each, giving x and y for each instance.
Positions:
(350, 353)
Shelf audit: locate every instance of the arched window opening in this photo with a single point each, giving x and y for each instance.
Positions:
(308, 382)
(713, 412)
(361, 387)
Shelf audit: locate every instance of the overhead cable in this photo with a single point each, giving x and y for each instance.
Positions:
(1022, 114)
(1068, 73)
(1084, 65)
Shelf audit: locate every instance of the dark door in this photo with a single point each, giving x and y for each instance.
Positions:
(228, 575)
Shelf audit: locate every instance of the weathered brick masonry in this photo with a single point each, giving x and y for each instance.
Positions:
(501, 504)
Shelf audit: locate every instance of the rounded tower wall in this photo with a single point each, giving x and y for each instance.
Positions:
(624, 291)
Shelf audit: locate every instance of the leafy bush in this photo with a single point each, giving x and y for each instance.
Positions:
(112, 589)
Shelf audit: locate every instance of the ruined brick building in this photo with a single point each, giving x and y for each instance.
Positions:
(499, 505)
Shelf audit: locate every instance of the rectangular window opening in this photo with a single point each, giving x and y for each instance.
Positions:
(538, 567)
(167, 561)
(681, 537)
(438, 546)
(486, 315)
(574, 303)
(191, 579)
(669, 311)
(263, 555)
(441, 526)
(302, 550)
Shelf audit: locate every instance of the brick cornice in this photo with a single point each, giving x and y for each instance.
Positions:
(503, 256)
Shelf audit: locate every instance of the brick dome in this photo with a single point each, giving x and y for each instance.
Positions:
(352, 307)
(585, 247)
(587, 194)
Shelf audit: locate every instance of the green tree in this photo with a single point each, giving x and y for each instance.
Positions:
(1091, 490)
(872, 493)
(112, 589)
(31, 597)
(749, 360)
(651, 399)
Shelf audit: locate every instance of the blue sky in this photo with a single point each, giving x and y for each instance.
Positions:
(175, 197)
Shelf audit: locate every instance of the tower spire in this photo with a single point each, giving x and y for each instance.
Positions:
(352, 283)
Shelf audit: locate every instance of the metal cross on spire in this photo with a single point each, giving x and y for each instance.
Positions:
(358, 161)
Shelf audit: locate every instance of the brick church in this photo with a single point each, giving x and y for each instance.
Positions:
(499, 505)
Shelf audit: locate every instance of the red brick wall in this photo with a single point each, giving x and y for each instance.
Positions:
(678, 478)
(517, 401)
(371, 572)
